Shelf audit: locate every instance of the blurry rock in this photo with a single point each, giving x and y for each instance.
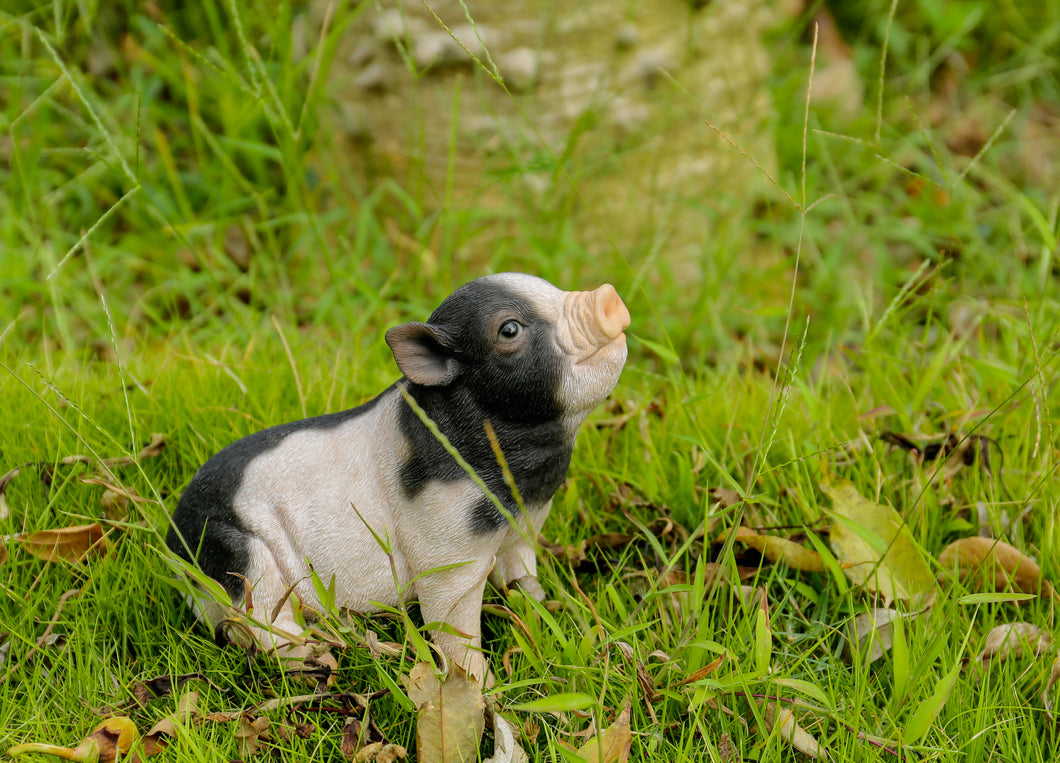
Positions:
(590, 77)
(519, 68)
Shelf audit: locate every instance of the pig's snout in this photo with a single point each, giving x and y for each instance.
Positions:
(593, 319)
(612, 316)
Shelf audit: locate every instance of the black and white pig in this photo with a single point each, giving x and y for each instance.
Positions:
(509, 349)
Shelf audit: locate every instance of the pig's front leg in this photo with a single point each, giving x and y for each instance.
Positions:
(516, 561)
(454, 597)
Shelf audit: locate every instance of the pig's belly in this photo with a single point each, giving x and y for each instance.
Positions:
(316, 501)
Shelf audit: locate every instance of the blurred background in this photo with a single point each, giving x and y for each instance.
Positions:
(206, 164)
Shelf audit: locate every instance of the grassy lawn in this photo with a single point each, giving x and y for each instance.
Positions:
(186, 254)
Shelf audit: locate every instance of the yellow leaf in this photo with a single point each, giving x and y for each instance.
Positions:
(111, 738)
(612, 744)
(875, 547)
(777, 549)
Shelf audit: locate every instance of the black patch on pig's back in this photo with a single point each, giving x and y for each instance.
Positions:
(205, 520)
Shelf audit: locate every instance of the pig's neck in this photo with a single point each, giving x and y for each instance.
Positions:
(537, 454)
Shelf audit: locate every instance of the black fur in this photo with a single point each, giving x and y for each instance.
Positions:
(515, 392)
(205, 523)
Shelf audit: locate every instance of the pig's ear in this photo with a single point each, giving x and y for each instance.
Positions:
(422, 355)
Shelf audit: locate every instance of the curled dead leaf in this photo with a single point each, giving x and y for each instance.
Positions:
(111, 738)
(994, 565)
(161, 686)
(506, 748)
(703, 672)
(777, 549)
(152, 449)
(252, 733)
(792, 732)
(187, 712)
(1010, 639)
(69, 544)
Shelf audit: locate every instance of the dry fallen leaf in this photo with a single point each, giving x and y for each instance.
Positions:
(187, 712)
(380, 752)
(252, 732)
(702, 673)
(153, 448)
(994, 565)
(612, 744)
(111, 738)
(792, 732)
(871, 631)
(161, 686)
(777, 549)
(505, 747)
(70, 544)
(1008, 640)
(450, 718)
(875, 547)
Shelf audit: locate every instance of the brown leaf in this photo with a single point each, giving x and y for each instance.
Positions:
(161, 686)
(994, 565)
(70, 544)
(777, 549)
(725, 497)
(115, 505)
(450, 720)
(1009, 640)
(252, 732)
(969, 448)
(703, 672)
(187, 712)
(354, 734)
(577, 553)
(792, 732)
(612, 744)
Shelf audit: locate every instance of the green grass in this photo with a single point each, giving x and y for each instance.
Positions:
(176, 216)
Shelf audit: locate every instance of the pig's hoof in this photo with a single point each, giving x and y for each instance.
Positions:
(530, 586)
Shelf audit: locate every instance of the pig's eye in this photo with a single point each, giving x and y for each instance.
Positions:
(509, 331)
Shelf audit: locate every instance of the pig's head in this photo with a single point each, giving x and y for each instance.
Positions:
(524, 350)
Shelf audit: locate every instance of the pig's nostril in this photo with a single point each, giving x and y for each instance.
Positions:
(611, 312)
